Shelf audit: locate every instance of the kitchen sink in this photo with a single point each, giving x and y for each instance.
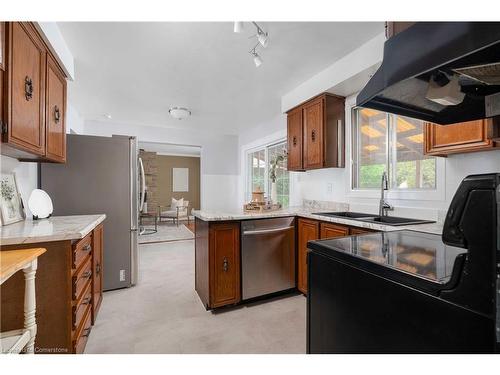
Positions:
(373, 218)
(393, 220)
(350, 215)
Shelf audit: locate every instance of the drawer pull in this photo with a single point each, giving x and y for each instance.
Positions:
(86, 301)
(313, 135)
(225, 265)
(57, 114)
(294, 141)
(28, 88)
(87, 248)
(86, 332)
(98, 269)
(87, 274)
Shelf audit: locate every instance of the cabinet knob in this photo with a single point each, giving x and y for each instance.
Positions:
(225, 265)
(28, 88)
(57, 114)
(313, 135)
(98, 268)
(87, 248)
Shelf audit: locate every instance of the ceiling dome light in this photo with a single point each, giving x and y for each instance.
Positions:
(263, 39)
(257, 59)
(179, 112)
(238, 27)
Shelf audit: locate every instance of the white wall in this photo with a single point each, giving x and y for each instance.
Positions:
(219, 157)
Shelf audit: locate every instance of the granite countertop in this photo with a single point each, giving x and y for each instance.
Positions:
(56, 228)
(433, 228)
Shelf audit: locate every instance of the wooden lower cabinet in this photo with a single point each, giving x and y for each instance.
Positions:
(329, 230)
(308, 230)
(66, 291)
(97, 269)
(470, 136)
(217, 263)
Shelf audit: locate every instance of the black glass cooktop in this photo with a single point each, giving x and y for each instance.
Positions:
(417, 254)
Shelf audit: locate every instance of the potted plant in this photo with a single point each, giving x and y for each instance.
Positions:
(272, 175)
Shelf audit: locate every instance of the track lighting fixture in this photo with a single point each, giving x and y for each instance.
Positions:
(262, 38)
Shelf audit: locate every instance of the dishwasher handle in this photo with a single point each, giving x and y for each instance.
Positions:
(265, 231)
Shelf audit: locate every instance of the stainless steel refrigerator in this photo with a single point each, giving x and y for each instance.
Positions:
(101, 176)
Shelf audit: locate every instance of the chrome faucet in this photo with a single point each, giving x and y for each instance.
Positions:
(383, 205)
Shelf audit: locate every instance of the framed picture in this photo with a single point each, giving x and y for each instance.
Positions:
(180, 179)
(11, 207)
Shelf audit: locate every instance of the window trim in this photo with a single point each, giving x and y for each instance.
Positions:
(437, 194)
(263, 146)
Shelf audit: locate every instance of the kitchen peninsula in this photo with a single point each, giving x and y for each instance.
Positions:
(69, 279)
(231, 248)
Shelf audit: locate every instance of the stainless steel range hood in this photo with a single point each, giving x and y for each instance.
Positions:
(442, 72)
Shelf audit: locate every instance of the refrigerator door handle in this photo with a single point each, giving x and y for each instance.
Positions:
(143, 185)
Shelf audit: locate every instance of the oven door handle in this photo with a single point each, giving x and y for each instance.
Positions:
(265, 231)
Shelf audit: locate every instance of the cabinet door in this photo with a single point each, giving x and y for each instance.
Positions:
(224, 264)
(313, 134)
(55, 112)
(26, 89)
(308, 230)
(97, 258)
(328, 230)
(294, 136)
(355, 231)
(457, 138)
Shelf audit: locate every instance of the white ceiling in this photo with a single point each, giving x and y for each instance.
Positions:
(136, 71)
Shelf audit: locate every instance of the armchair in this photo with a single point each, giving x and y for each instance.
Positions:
(176, 213)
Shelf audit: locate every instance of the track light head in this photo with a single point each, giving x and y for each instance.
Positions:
(238, 27)
(263, 38)
(256, 59)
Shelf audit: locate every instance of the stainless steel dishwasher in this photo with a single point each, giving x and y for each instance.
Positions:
(267, 256)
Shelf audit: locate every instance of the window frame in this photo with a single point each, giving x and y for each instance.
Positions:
(248, 181)
(436, 194)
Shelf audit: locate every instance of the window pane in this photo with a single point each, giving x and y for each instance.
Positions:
(282, 181)
(257, 169)
(413, 169)
(371, 147)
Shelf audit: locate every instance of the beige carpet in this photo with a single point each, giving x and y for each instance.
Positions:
(163, 314)
(166, 232)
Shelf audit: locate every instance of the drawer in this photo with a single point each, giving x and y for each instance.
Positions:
(81, 306)
(82, 335)
(81, 280)
(81, 250)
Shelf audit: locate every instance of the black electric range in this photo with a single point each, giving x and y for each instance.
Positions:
(412, 292)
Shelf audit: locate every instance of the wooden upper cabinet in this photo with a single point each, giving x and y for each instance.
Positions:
(55, 112)
(313, 134)
(225, 286)
(295, 137)
(321, 123)
(33, 98)
(26, 89)
(308, 230)
(329, 230)
(442, 140)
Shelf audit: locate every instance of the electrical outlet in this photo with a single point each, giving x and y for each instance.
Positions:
(329, 188)
(122, 275)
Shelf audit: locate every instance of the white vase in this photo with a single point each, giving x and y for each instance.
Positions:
(274, 193)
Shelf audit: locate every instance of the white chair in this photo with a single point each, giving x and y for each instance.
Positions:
(178, 210)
